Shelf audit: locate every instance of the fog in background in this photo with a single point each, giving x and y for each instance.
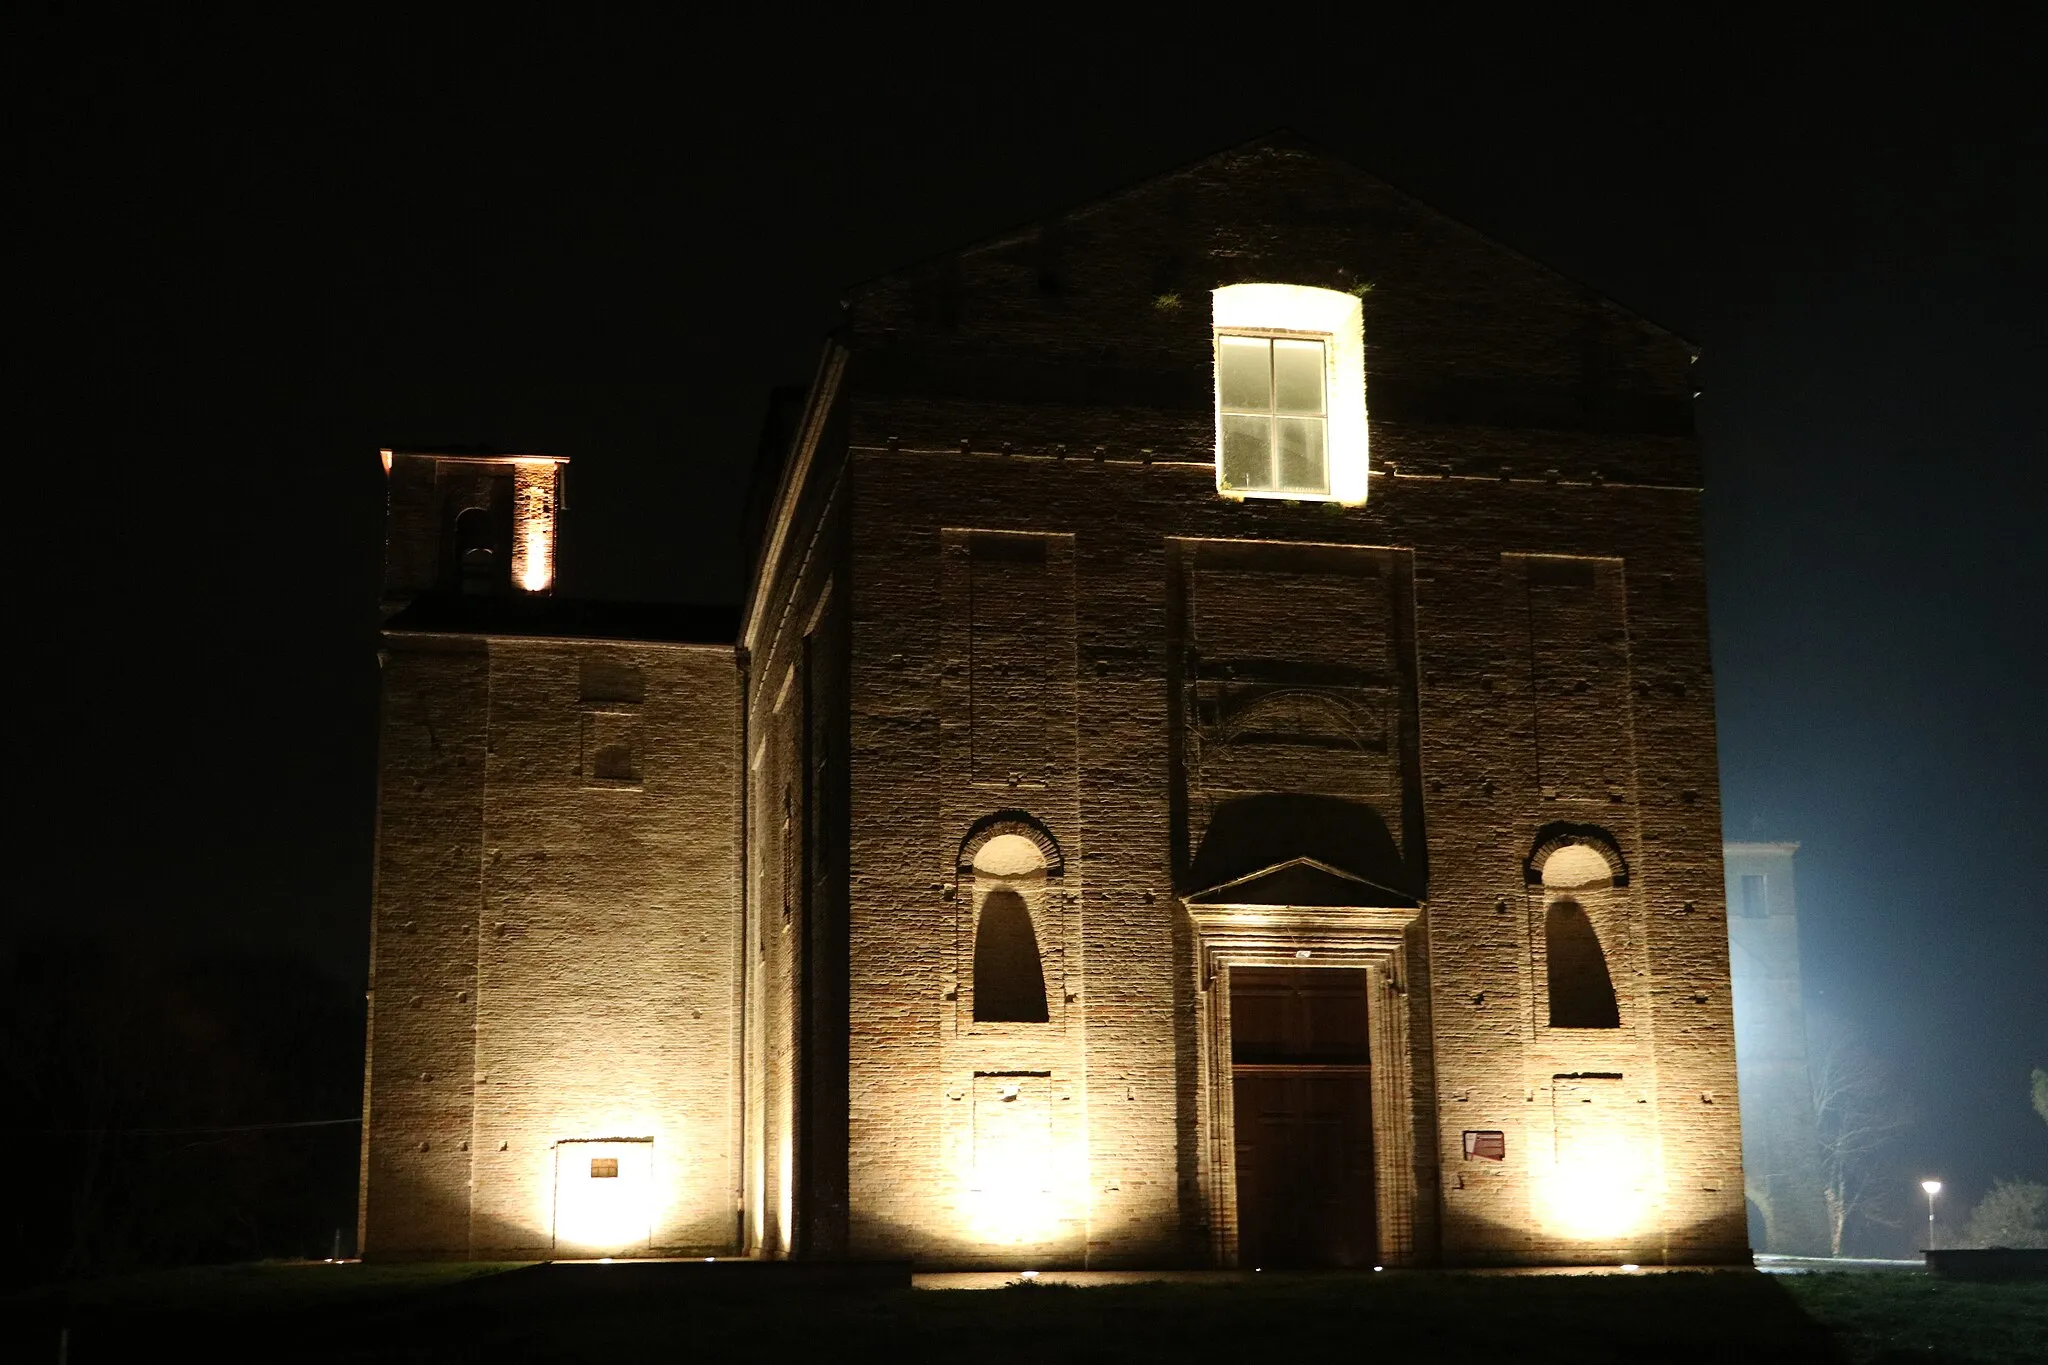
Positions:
(260, 255)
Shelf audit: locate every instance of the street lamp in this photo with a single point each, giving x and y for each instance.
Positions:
(1933, 1187)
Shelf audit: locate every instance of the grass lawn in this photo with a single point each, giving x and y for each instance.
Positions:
(1901, 1317)
(458, 1313)
(288, 1287)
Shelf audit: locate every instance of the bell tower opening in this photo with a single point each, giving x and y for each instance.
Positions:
(470, 524)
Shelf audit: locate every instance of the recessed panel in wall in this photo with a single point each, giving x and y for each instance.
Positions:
(1295, 717)
(1292, 656)
(1601, 1184)
(1013, 1139)
(1008, 642)
(1579, 676)
(1306, 611)
(1592, 1117)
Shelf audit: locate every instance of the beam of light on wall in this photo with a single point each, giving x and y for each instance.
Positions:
(1014, 1216)
(534, 487)
(785, 1189)
(1600, 1191)
(757, 1202)
(605, 1196)
(1022, 1182)
(1011, 1201)
(1339, 320)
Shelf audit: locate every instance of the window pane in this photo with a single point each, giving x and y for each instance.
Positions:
(1302, 467)
(1298, 376)
(1247, 453)
(1243, 373)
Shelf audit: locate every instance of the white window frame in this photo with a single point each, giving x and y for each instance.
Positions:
(1299, 312)
(1272, 414)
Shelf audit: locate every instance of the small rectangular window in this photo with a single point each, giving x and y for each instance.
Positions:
(1273, 414)
(604, 1168)
(1756, 896)
(1488, 1145)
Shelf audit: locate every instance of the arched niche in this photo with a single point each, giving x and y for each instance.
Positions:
(1578, 876)
(1552, 840)
(1010, 824)
(1577, 866)
(1011, 970)
(1009, 855)
(1578, 985)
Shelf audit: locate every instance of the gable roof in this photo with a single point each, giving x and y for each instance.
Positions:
(1282, 141)
(1306, 882)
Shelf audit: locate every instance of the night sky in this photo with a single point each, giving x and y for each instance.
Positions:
(259, 256)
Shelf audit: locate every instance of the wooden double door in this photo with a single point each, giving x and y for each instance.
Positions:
(1301, 1075)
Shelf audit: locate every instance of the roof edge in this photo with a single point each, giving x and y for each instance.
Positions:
(1284, 137)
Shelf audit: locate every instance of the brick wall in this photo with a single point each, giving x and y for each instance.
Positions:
(1002, 594)
(1055, 385)
(557, 912)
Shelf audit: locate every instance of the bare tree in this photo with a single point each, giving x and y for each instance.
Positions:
(1858, 1116)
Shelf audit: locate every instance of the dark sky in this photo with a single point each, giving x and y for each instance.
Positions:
(260, 255)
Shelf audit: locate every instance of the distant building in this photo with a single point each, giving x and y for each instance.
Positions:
(1780, 1141)
(1107, 836)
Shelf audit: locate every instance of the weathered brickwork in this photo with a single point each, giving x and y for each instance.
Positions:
(423, 950)
(1014, 679)
(556, 923)
(555, 948)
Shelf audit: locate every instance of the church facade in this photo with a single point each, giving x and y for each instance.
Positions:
(1215, 767)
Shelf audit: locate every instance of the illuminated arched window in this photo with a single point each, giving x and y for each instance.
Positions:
(1009, 972)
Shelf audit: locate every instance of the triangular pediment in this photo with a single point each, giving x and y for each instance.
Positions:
(1304, 882)
(1220, 210)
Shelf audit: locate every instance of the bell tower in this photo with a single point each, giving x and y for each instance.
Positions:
(467, 523)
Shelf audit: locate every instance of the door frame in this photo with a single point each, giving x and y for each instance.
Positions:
(641, 1151)
(1371, 937)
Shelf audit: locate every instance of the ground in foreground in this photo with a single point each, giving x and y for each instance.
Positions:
(444, 1313)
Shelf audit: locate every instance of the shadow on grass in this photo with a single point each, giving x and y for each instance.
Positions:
(1435, 1318)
